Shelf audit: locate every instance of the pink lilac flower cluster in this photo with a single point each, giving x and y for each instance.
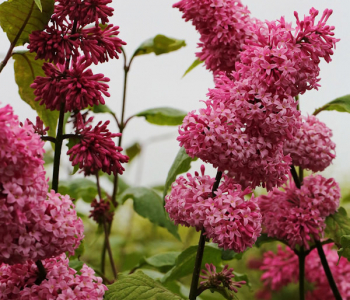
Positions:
(34, 224)
(214, 279)
(71, 48)
(96, 149)
(297, 216)
(312, 147)
(228, 219)
(223, 27)
(62, 282)
(282, 268)
(253, 107)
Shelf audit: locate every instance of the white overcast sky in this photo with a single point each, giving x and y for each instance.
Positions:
(156, 81)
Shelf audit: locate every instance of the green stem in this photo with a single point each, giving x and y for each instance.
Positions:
(327, 270)
(109, 250)
(200, 250)
(58, 149)
(301, 273)
(14, 42)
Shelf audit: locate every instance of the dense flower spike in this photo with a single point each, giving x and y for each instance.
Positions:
(101, 211)
(33, 224)
(282, 268)
(97, 151)
(62, 282)
(228, 219)
(77, 87)
(312, 147)
(297, 216)
(215, 279)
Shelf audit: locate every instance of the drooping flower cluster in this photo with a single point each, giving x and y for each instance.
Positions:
(282, 268)
(227, 218)
(34, 224)
(251, 112)
(214, 279)
(71, 48)
(96, 149)
(62, 282)
(223, 26)
(297, 216)
(101, 212)
(312, 147)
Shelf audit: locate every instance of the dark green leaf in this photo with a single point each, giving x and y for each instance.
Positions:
(160, 44)
(196, 63)
(345, 247)
(185, 261)
(76, 264)
(337, 225)
(148, 204)
(230, 254)
(133, 151)
(102, 108)
(26, 69)
(79, 251)
(181, 164)
(138, 286)
(262, 239)
(14, 14)
(80, 188)
(162, 259)
(341, 104)
(163, 116)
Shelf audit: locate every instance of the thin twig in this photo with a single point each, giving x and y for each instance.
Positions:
(109, 250)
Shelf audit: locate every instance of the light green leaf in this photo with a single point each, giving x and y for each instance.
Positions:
(337, 225)
(133, 151)
(102, 108)
(345, 247)
(138, 286)
(162, 259)
(76, 264)
(181, 164)
(242, 277)
(262, 239)
(26, 70)
(148, 204)
(160, 44)
(341, 104)
(185, 262)
(163, 116)
(80, 188)
(18, 18)
(196, 63)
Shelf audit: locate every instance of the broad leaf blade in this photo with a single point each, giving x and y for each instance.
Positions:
(133, 151)
(262, 239)
(14, 14)
(148, 204)
(102, 108)
(196, 63)
(181, 164)
(138, 286)
(185, 262)
(337, 225)
(162, 259)
(163, 116)
(341, 104)
(26, 70)
(345, 247)
(160, 44)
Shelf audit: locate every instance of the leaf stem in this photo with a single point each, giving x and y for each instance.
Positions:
(301, 273)
(200, 250)
(14, 42)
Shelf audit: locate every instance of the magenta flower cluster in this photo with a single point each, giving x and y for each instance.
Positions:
(251, 112)
(282, 268)
(312, 147)
(62, 282)
(227, 218)
(297, 216)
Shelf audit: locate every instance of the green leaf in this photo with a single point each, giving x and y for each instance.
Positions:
(185, 262)
(79, 251)
(163, 116)
(148, 204)
(230, 254)
(26, 70)
(181, 164)
(262, 239)
(337, 225)
(160, 44)
(72, 141)
(196, 63)
(102, 108)
(138, 286)
(133, 151)
(76, 264)
(345, 247)
(162, 259)
(242, 277)
(341, 104)
(15, 14)
(80, 188)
